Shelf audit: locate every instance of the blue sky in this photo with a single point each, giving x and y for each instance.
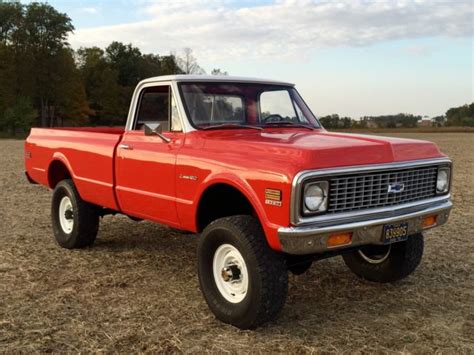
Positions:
(349, 57)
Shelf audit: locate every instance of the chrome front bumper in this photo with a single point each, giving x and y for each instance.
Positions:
(312, 239)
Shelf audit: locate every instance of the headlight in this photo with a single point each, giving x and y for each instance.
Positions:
(442, 181)
(315, 197)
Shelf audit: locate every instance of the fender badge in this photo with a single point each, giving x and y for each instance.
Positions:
(273, 197)
(188, 177)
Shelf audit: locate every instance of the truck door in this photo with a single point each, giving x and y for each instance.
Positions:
(145, 165)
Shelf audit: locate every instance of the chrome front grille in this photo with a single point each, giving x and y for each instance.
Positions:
(359, 191)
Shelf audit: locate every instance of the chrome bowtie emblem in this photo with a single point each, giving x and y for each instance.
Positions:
(396, 188)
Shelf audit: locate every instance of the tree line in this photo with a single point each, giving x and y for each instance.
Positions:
(44, 82)
(385, 121)
(461, 116)
(455, 116)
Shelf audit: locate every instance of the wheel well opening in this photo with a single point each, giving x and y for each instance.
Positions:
(57, 172)
(219, 201)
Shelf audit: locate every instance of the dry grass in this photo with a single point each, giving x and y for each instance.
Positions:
(136, 289)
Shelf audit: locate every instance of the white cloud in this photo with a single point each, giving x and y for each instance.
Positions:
(90, 10)
(217, 30)
(418, 50)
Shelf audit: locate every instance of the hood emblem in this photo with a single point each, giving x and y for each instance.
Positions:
(396, 188)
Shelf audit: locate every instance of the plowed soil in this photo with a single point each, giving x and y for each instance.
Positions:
(136, 289)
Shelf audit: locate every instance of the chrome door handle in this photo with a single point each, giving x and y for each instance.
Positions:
(125, 146)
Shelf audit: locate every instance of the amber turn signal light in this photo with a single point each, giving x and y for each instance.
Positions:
(338, 239)
(429, 221)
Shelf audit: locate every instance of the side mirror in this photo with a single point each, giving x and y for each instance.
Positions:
(155, 129)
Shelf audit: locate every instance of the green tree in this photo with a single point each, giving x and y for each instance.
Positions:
(110, 77)
(439, 121)
(11, 20)
(70, 96)
(18, 117)
(39, 71)
(125, 60)
(11, 16)
(393, 121)
(149, 65)
(169, 65)
(101, 86)
(47, 31)
(460, 116)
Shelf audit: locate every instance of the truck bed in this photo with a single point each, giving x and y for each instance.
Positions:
(86, 152)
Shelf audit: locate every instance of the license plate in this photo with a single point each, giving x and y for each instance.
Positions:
(395, 232)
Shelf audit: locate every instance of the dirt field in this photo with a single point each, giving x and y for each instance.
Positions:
(136, 289)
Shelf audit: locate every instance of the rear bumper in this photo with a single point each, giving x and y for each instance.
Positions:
(312, 239)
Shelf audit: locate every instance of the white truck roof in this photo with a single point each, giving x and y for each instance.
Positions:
(213, 78)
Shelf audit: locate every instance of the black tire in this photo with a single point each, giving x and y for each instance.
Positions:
(85, 217)
(298, 264)
(267, 273)
(402, 259)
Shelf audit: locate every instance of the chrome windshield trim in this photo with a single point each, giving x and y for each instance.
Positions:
(300, 178)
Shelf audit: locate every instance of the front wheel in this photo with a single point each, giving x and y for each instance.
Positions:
(75, 222)
(386, 263)
(243, 281)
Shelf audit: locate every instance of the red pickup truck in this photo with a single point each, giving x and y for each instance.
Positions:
(245, 163)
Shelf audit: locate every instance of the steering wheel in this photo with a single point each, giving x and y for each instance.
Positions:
(274, 118)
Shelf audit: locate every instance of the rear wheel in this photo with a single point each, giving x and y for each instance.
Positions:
(386, 263)
(75, 222)
(242, 279)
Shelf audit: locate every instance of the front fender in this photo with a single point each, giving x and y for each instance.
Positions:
(250, 193)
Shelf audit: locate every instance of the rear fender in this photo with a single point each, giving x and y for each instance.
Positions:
(59, 157)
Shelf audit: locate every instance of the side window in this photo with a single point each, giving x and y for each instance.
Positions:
(277, 103)
(301, 115)
(157, 105)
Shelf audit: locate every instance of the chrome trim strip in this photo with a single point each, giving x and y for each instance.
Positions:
(300, 178)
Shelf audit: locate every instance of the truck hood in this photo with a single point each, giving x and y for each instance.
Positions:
(303, 149)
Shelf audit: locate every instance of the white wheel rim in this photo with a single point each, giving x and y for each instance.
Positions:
(66, 215)
(230, 273)
(378, 258)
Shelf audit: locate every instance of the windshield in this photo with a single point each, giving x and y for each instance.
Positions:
(243, 105)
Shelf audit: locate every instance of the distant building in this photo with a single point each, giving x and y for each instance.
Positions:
(425, 122)
(371, 124)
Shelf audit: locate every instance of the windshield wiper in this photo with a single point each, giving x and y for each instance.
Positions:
(288, 124)
(231, 126)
